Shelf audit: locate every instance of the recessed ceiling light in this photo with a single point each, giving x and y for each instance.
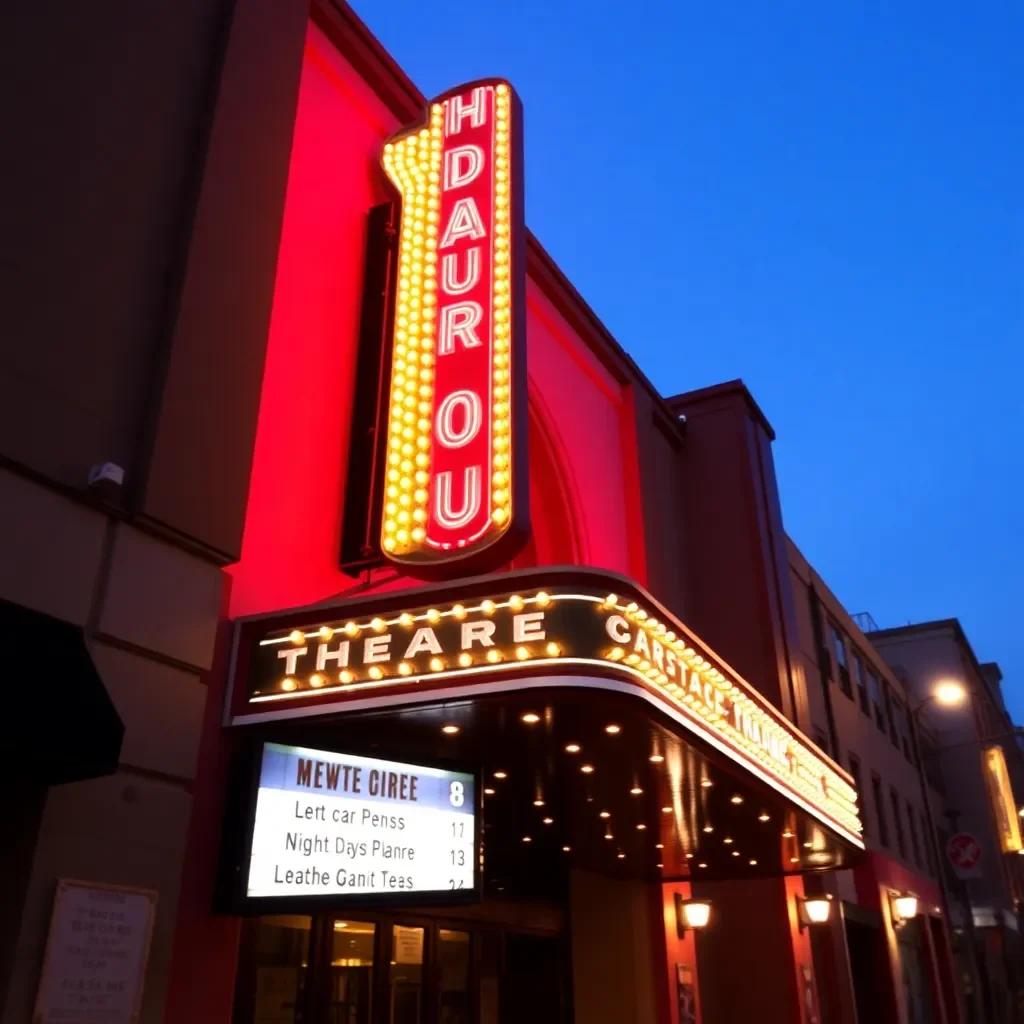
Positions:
(808, 845)
(709, 829)
(689, 856)
(586, 768)
(527, 839)
(605, 814)
(530, 718)
(489, 792)
(656, 758)
(787, 834)
(661, 865)
(613, 729)
(549, 821)
(794, 860)
(702, 865)
(538, 803)
(608, 835)
(736, 799)
(449, 730)
(706, 783)
(735, 853)
(341, 924)
(572, 748)
(753, 863)
(727, 840)
(566, 849)
(763, 817)
(659, 846)
(621, 856)
(666, 810)
(641, 826)
(636, 791)
(501, 775)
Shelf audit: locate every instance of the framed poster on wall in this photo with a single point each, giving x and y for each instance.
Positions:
(96, 952)
(686, 994)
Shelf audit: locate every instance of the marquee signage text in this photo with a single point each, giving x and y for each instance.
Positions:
(455, 486)
(417, 651)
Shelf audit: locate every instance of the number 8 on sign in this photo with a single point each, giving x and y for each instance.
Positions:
(457, 794)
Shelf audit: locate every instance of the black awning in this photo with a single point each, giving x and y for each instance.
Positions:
(58, 723)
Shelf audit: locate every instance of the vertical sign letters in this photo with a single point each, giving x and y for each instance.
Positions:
(455, 491)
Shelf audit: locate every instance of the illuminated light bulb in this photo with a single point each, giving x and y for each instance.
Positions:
(727, 840)
(736, 799)
(465, 659)
(702, 865)
(709, 828)
(404, 668)
(763, 817)
(666, 810)
(459, 611)
(499, 515)
(543, 599)
(297, 636)
(613, 729)
(538, 803)
(689, 856)
(515, 602)
(288, 683)
(794, 860)
(608, 835)
(605, 814)
(587, 769)
(566, 849)
(317, 680)
(501, 775)
(493, 656)
(548, 821)
(641, 827)
(735, 853)
(489, 792)
(656, 758)
(376, 673)
(572, 748)
(706, 783)
(433, 615)
(522, 653)
(530, 718)
(616, 654)
(436, 664)
(418, 534)
(487, 607)
(405, 619)
(808, 845)
(325, 633)
(527, 839)
(621, 856)
(345, 676)
(636, 791)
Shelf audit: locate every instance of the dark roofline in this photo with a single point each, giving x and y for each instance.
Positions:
(396, 90)
(678, 403)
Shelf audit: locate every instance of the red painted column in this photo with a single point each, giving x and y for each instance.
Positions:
(680, 957)
(205, 954)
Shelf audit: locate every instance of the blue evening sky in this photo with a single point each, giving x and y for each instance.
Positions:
(825, 199)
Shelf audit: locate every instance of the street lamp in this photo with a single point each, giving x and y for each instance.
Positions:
(813, 910)
(904, 907)
(950, 693)
(693, 913)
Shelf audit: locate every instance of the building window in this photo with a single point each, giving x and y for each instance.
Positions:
(838, 643)
(897, 820)
(915, 844)
(875, 693)
(929, 844)
(822, 740)
(862, 797)
(890, 714)
(879, 801)
(860, 678)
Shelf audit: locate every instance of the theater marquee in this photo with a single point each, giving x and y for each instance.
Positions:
(568, 624)
(455, 487)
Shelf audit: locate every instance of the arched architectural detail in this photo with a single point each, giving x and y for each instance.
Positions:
(558, 530)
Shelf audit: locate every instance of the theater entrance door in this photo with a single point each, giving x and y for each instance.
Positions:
(396, 969)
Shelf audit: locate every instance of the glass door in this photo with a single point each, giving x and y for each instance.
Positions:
(350, 974)
(406, 974)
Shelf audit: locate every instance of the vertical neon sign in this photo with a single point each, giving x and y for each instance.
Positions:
(456, 489)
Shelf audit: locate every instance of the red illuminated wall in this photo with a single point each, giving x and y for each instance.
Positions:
(580, 414)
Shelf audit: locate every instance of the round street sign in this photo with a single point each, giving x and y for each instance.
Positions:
(964, 852)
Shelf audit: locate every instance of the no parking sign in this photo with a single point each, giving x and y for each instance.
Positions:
(964, 853)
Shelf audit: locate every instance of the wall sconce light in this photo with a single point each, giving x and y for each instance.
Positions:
(813, 910)
(691, 914)
(904, 908)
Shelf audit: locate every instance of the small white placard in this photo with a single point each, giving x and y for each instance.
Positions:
(96, 954)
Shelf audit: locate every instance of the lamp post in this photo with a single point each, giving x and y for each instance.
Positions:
(947, 694)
